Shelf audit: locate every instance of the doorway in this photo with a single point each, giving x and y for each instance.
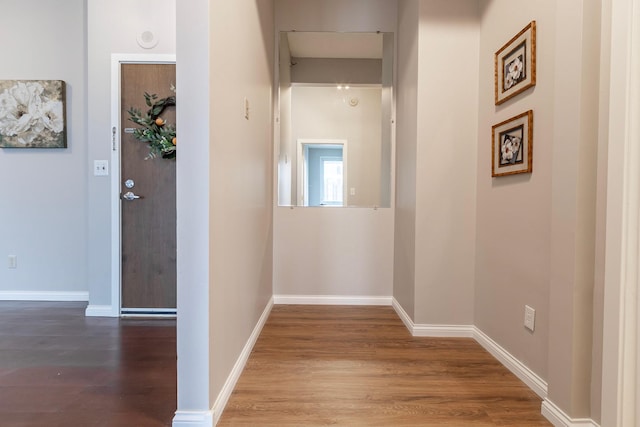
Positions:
(322, 172)
(145, 196)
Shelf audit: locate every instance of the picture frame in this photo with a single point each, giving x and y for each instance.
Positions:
(512, 145)
(33, 114)
(515, 65)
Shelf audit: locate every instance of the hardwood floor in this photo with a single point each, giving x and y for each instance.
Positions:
(311, 366)
(359, 366)
(61, 369)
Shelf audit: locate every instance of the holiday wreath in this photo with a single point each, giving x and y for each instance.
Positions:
(155, 131)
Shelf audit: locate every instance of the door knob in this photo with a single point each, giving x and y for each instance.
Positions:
(130, 196)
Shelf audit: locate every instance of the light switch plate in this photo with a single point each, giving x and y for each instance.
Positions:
(101, 167)
(529, 318)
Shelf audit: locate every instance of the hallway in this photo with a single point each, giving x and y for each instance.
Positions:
(359, 366)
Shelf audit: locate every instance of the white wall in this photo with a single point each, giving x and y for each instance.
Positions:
(321, 112)
(130, 19)
(192, 222)
(43, 207)
(295, 241)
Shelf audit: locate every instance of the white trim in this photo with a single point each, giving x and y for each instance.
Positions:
(530, 378)
(232, 379)
(519, 369)
(443, 331)
(116, 258)
(146, 312)
(621, 336)
(331, 300)
(440, 331)
(193, 419)
(408, 323)
(558, 418)
(149, 315)
(99, 311)
(43, 296)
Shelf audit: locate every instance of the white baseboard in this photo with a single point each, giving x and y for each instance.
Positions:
(408, 323)
(331, 300)
(44, 296)
(193, 419)
(101, 311)
(519, 369)
(441, 331)
(558, 418)
(232, 379)
(530, 378)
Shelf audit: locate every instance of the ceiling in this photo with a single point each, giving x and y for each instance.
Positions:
(335, 45)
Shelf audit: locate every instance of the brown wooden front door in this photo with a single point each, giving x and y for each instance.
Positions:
(149, 222)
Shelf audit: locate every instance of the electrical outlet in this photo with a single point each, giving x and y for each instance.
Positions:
(529, 318)
(13, 261)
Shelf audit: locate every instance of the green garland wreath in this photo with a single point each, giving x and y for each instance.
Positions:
(160, 136)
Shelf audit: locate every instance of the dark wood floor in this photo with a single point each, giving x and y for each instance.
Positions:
(61, 369)
(359, 366)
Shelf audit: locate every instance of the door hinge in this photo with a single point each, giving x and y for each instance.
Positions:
(113, 138)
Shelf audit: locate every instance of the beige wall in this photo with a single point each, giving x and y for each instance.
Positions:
(404, 253)
(574, 207)
(330, 240)
(333, 251)
(436, 161)
(446, 162)
(336, 70)
(601, 218)
(240, 238)
(536, 236)
(224, 191)
(324, 112)
(514, 213)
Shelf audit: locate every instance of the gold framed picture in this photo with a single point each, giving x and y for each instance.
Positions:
(512, 145)
(515, 65)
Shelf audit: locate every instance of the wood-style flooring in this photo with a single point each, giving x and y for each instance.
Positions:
(311, 366)
(59, 368)
(359, 366)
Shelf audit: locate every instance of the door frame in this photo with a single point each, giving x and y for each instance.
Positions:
(116, 226)
(301, 172)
